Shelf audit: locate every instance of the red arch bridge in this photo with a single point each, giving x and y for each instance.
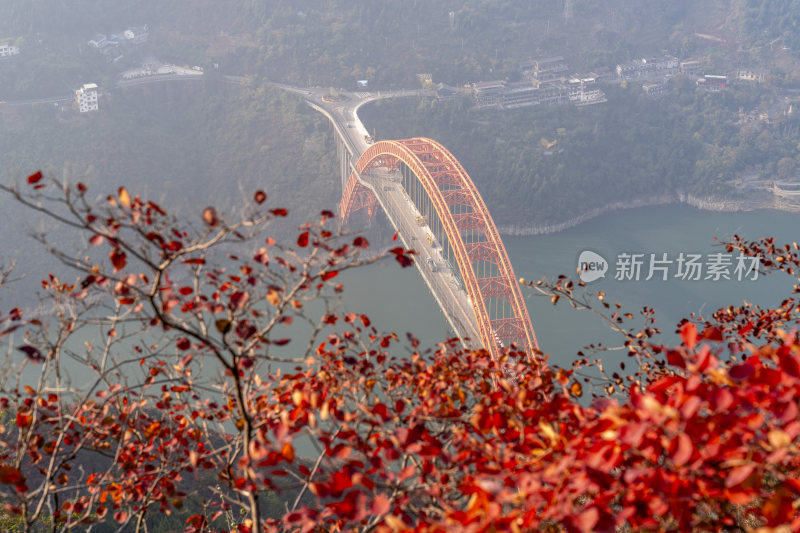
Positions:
(433, 204)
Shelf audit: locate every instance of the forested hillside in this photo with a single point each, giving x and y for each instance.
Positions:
(632, 147)
(212, 136)
(766, 20)
(389, 42)
(189, 142)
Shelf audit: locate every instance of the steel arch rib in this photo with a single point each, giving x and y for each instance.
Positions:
(520, 310)
(408, 151)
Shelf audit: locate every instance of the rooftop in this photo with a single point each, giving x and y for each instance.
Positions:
(489, 84)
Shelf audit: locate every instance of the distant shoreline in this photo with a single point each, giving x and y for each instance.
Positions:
(705, 203)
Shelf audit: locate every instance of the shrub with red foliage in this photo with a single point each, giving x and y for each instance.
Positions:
(704, 438)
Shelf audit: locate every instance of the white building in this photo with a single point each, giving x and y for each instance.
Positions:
(663, 67)
(7, 50)
(137, 35)
(756, 75)
(585, 91)
(86, 97)
(654, 90)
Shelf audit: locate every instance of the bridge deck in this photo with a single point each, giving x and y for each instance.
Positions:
(452, 298)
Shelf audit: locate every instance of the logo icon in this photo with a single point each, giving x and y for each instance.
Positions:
(591, 266)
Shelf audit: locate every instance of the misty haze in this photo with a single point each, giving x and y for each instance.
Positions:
(480, 265)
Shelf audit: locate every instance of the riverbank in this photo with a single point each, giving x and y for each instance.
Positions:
(730, 205)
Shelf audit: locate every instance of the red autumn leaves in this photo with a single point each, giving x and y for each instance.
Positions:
(419, 442)
(685, 451)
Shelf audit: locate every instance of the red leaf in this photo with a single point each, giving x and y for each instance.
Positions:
(196, 520)
(741, 372)
(406, 473)
(789, 365)
(360, 242)
(24, 420)
(35, 177)
(280, 342)
(155, 206)
(394, 237)
(81, 187)
(121, 516)
(675, 358)
(329, 275)
(183, 343)
(723, 398)
(279, 212)
(381, 505)
(10, 475)
(341, 481)
(96, 240)
(327, 214)
(118, 259)
(382, 411)
(12, 329)
(682, 450)
(260, 197)
(738, 475)
(587, 519)
(404, 260)
(287, 451)
(196, 261)
(186, 291)
(238, 299)
(302, 240)
(33, 353)
(689, 335)
(713, 334)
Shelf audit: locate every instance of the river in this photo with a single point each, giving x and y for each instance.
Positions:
(398, 300)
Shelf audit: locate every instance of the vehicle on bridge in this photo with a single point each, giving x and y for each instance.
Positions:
(434, 266)
(431, 240)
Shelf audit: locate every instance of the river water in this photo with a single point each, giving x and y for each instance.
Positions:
(398, 300)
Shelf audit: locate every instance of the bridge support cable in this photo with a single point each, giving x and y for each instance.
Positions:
(458, 318)
(448, 202)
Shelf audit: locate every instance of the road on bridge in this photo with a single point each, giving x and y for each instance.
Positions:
(398, 206)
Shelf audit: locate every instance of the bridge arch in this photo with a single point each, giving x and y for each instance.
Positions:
(460, 210)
